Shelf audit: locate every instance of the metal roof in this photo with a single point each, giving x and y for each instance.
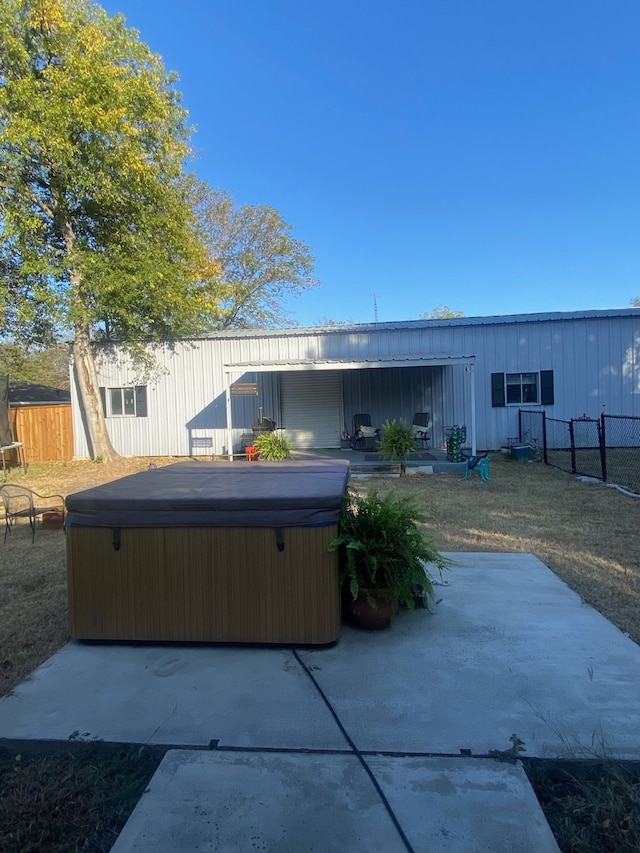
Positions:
(432, 360)
(398, 325)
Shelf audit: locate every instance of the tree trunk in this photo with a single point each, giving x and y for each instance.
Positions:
(89, 397)
(98, 440)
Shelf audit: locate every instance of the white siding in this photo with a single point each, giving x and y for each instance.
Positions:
(595, 357)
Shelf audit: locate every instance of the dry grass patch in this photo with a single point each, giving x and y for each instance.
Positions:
(71, 802)
(591, 807)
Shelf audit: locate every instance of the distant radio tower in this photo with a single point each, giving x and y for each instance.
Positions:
(375, 309)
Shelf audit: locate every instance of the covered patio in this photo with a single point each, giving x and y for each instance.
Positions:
(315, 399)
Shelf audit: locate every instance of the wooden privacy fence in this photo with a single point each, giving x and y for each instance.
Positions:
(46, 431)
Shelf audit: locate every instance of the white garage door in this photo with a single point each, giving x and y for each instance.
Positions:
(311, 403)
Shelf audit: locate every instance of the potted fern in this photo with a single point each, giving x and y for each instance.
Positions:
(383, 556)
(397, 442)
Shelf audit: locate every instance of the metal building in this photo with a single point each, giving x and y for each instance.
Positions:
(203, 395)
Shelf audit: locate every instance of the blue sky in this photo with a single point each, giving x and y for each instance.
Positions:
(485, 156)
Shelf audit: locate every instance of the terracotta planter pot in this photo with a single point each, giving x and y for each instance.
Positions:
(373, 617)
(53, 520)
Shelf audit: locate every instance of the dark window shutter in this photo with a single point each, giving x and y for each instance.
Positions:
(497, 389)
(141, 401)
(103, 399)
(546, 387)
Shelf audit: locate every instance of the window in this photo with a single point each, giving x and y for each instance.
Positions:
(125, 402)
(522, 389)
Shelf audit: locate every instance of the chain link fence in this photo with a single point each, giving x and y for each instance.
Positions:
(607, 448)
(621, 440)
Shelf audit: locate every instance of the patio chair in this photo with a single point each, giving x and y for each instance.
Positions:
(479, 464)
(420, 426)
(365, 436)
(21, 502)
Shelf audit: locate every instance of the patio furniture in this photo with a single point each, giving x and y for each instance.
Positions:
(479, 464)
(365, 436)
(420, 424)
(21, 502)
(8, 442)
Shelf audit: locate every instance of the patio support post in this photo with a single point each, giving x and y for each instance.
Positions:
(227, 395)
(472, 370)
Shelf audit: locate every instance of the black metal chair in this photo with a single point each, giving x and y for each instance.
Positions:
(21, 502)
(365, 436)
(420, 426)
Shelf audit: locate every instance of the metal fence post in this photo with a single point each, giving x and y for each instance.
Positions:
(573, 447)
(520, 425)
(603, 448)
(544, 438)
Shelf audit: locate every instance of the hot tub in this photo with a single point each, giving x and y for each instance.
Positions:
(211, 552)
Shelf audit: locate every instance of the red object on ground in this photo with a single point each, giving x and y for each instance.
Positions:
(252, 453)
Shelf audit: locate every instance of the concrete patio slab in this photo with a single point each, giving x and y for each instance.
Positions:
(229, 801)
(510, 650)
(183, 695)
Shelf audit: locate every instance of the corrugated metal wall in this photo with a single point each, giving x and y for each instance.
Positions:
(388, 393)
(596, 362)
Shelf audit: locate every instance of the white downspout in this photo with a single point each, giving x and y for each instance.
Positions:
(472, 371)
(227, 394)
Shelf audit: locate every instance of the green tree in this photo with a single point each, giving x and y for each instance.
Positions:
(441, 312)
(45, 366)
(96, 231)
(257, 263)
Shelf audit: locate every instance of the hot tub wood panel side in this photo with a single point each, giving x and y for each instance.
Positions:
(203, 584)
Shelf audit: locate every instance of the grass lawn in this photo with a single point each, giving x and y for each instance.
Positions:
(76, 800)
(586, 533)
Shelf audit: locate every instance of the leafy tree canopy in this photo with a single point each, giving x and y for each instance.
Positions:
(95, 224)
(96, 230)
(441, 312)
(258, 263)
(48, 366)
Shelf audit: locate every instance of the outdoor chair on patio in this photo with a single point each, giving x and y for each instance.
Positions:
(21, 502)
(365, 436)
(420, 426)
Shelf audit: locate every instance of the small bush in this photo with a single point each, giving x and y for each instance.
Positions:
(273, 446)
